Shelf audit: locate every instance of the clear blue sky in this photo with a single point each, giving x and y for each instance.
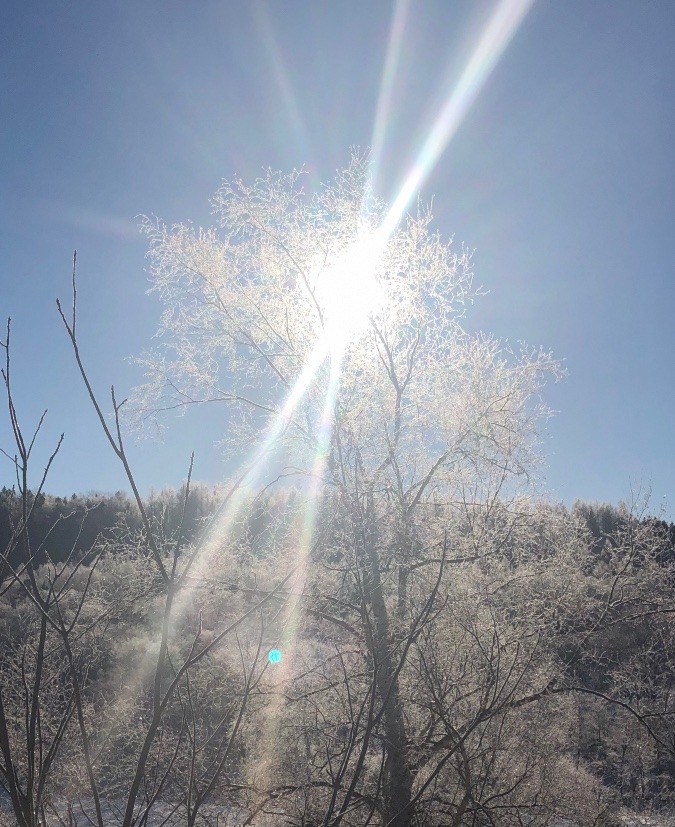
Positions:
(561, 176)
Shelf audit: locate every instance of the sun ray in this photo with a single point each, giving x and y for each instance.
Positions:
(497, 35)
(281, 75)
(389, 72)
(250, 473)
(253, 468)
(290, 654)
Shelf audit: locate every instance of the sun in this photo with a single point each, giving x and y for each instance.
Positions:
(349, 290)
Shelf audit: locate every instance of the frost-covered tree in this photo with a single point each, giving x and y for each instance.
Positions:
(336, 338)
(308, 298)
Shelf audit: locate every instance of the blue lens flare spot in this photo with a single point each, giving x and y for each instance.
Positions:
(274, 656)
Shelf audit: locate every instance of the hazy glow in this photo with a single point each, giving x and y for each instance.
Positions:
(496, 37)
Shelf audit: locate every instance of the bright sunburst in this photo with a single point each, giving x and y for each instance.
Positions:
(349, 289)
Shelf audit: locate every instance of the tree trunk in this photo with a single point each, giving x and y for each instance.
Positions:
(398, 778)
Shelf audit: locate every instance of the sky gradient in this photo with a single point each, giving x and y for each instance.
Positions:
(558, 172)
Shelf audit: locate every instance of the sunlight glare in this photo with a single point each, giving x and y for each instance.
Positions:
(349, 290)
